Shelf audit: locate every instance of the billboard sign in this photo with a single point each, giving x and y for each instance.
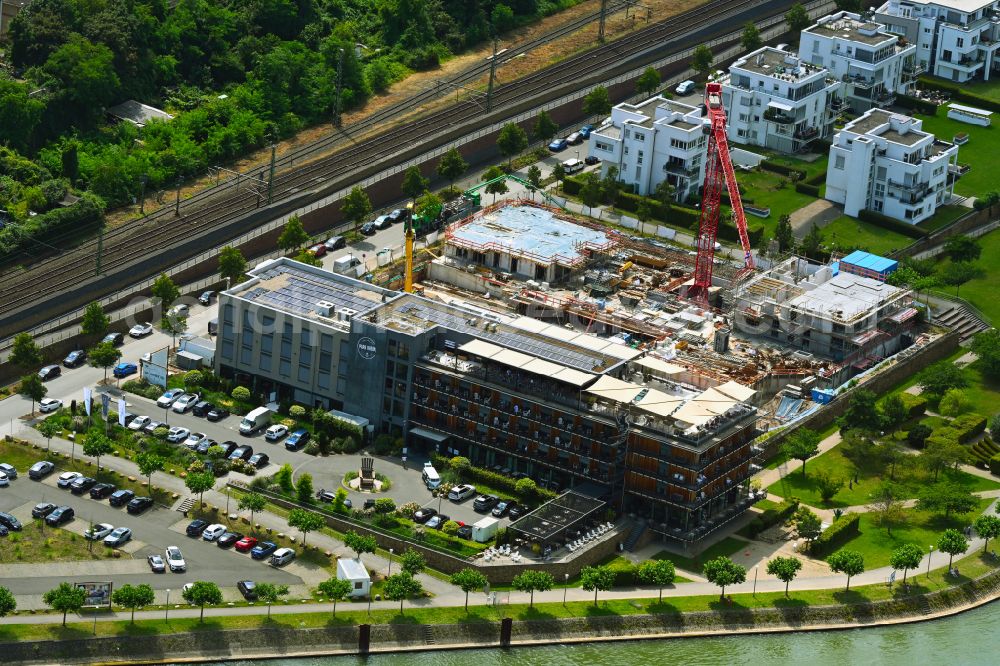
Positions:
(98, 594)
(155, 369)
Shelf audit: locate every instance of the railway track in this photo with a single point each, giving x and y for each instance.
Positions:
(162, 230)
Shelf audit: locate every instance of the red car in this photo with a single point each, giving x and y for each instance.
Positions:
(318, 250)
(245, 544)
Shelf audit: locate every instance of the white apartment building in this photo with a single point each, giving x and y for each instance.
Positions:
(955, 39)
(654, 141)
(873, 64)
(776, 100)
(884, 162)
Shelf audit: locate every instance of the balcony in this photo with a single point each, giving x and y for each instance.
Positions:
(681, 169)
(860, 82)
(913, 69)
(909, 194)
(836, 104)
(806, 133)
(775, 116)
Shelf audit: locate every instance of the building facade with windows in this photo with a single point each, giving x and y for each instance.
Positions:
(872, 64)
(777, 100)
(655, 141)
(886, 163)
(957, 40)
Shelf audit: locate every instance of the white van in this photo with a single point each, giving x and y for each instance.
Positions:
(430, 476)
(345, 265)
(573, 165)
(685, 87)
(255, 421)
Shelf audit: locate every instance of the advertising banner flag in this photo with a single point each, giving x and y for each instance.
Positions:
(87, 399)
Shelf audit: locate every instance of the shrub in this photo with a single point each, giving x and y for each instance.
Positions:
(806, 188)
(916, 104)
(625, 572)
(834, 536)
(781, 169)
(773, 516)
(995, 464)
(296, 411)
(886, 222)
(915, 405)
(499, 482)
(967, 426)
(241, 393)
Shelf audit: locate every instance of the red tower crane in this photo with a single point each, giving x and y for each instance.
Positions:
(718, 168)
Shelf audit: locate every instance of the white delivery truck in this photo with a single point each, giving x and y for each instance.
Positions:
(255, 421)
(430, 476)
(347, 265)
(573, 165)
(485, 529)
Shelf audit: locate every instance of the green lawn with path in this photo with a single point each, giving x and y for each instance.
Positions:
(726, 547)
(978, 153)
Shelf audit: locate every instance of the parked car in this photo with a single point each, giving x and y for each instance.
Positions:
(49, 372)
(228, 447)
(139, 422)
(518, 511)
(46, 405)
(185, 403)
(282, 556)
(177, 434)
(179, 310)
(101, 491)
(503, 508)
(248, 589)
(484, 503)
(40, 470)
(141, 330)
(196, 527)
(585, 131)
(169, 397)
(117, 339)
(213, 532)
(685, 87)
(437, 522)
(194, 439)
(121, 497)
(201, 408)
(318, 250)
(217, 414)
(591, 159)
(43, 509)
(175, 559)
(275, 432)
(335, 243)
(4, 480)
(61, 514)
(9, 470)
(10, 522)
(557, 145)
(139, 504)
(464, 532)
(118, 538)
(245, 544)
(423, 514)
(397, 215)
(382, 222)
(75, 358)
(574, 139)
(156, 564)
(241, 453)
(263, 550)
(228, 539)
(124, 370)
(297, 440)
(82, 484)
(461, 492)
(67, 478)
(368, 229)
(204, 445)
(151, 427)
(259, 460)
(206, 297)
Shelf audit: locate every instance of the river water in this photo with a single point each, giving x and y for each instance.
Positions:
(968, 638)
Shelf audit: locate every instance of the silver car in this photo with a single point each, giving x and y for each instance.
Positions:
(119, 537)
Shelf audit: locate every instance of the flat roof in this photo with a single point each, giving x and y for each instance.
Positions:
(772, 62)
(852, 29)
(531, 232)
(844, 297)
(563, 513)
(353, 568)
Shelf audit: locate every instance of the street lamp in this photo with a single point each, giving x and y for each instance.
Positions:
(390, 563)
(565, 587)
(930, 549)
(166, 607)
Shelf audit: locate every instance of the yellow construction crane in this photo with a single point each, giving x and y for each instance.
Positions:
(408, 249)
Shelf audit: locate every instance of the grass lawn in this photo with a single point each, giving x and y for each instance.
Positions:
(726, 547)
(41, 543)
(848, 232)
(920, 528)
(978, 153)
(987, 89)
(981, 292)
(944, 216)
(766, 190)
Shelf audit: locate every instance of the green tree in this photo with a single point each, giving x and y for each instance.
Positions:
(936, 379)
(807, 524)
(240, 394)
(335, 589)
(784, 569)
(340, 501)
(497, 182)
(599, 578)
(252, 502)
(32, 388)
(657, 572)
(947, 497)
(952, 542)
(511, 140)
(414, 183)
(198, 482)
(702, 59)
(893, 411)
(360, 543)
(94, 322)
(502, 18)
(452, 166)
(304, 488)
(84, 75)
(597, 102)
(412, 562)
(665, 194)
(917, 435)
(65, 598)
(812, 244)
(400, 587)
(545, 128)
(104, 355)
(963, 248)
(942, 453)
(848, 562)
(862, 412)
(48, 429)
(886, 506)
(784, 234)
(526, 488)
(750, 38)
(986, 345)
(164, 291)
(590, 192)
(203, 593)
(232, 265)
(797, 18)
(8, 604)
(857, 446)
(308, 258)
(987, 527)
(269, 593)
(305, 522)
(958, 273)
(827, 485)
(133, 596)
(283, 477)
(531, 581)
(802, 445)
(294, 235)
(723, 572)
(468, 580)
(384, 506)
(534, 177)
(611, 186)
(953, 403)
(96, 446)
(427, 205)
(24, 353)
(906, 557)
(648, 81)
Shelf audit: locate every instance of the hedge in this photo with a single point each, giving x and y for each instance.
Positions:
(960, 94)
(943, 435)
(806, 188)
(781, 169)
(818, 179)
(968, 426)
(886, 222)
(499, 482)
(771, 517)
(916, 104)
(835, 535)
(625, 572)
(915, 405)
(995, 464)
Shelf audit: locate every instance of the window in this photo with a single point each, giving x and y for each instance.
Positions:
(245, 355)
(267, 343)
(625, 150)
(286, 348)
(600, 145)
(838, 162)
(285, 367)
(960, 42)
(638, 159)
(227, 349)
(305, 355)
(880, 173)
(303, 373)
(325, 361)
(639, 136)
(638, 173)
(265, 362)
